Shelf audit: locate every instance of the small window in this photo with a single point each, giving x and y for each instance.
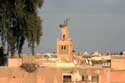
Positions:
(14, 77)
(64, 47)
(67, 78)
(64, 36)
(83, 78)
(95, 78)
(107, 64)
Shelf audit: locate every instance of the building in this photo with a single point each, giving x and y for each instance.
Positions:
(64, 44)
(67, 67)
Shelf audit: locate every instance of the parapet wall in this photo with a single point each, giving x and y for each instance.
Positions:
(18, 61)
(14, 62)
(118, 62)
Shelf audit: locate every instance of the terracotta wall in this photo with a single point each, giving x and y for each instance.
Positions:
(14, 62)
(118, 62)
(118, 76)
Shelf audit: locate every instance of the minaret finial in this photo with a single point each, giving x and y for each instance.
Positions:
(66, 21)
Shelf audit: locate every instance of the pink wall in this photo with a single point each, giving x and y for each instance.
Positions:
(14, 62)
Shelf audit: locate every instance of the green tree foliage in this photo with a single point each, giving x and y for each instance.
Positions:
(19, 22)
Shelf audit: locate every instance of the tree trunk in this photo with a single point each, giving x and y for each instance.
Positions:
(33, 48)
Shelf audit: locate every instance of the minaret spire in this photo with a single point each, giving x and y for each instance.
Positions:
(66, 21)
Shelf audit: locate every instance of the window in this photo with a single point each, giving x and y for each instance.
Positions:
(107, 64)
(85, 78)
(64, 36)
(95, 78)
(14, 77)
(67, 78)
(63, 47)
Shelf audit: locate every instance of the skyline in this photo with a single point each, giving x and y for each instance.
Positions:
(99, 22)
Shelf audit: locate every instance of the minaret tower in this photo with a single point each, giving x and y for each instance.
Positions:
(64, 44)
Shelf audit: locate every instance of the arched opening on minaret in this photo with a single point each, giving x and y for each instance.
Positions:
(64, 36)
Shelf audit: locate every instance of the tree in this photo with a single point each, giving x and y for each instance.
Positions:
(1, 57)
(19, 22)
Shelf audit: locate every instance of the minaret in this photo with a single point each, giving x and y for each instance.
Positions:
(64, 44)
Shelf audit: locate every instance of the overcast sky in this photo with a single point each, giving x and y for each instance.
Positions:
(94, 24)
